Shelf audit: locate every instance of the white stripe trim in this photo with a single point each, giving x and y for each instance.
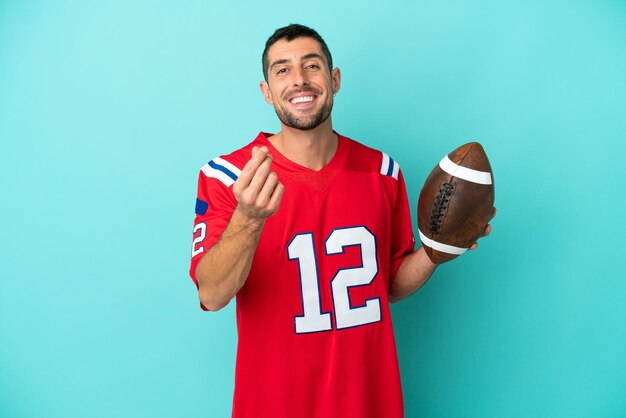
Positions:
(385, 165)
(396, 170)
(217, 174)
(444, 248)
(228, 165)
(475, 176)
(220, 175)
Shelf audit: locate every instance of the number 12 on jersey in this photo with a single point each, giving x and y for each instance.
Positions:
(302, 249)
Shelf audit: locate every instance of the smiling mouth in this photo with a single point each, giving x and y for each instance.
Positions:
(302, 99)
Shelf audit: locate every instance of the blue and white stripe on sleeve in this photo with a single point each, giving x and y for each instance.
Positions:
(389, 167)
(222, 170)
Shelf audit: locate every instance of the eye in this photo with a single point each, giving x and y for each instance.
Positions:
(313, 67)
(281, 71)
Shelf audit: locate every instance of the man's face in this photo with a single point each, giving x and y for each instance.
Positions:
(299, 84)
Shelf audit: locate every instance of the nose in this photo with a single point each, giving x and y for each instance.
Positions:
(300, 77)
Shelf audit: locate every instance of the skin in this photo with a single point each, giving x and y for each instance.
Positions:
(300, 87)
(223, 270)
(297, 69)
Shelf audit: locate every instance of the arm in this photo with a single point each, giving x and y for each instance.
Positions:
(223, 270)
(416, 269)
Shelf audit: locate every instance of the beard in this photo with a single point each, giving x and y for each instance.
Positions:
(305, 123)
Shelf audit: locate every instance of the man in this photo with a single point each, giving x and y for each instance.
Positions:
(311, 232)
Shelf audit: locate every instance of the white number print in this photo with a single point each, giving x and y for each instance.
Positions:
(345, 315)
(202, 228)
(302, 249)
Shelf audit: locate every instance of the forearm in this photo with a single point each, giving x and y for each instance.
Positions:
(223, 270)
(414, 271)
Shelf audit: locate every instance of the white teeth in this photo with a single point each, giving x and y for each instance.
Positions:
(302, 99)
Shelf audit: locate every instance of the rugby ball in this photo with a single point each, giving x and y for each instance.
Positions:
(456, 203)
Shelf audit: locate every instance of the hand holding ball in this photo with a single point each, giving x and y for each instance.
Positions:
(456, 203)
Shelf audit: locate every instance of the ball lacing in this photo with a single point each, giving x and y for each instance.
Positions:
(439, 207)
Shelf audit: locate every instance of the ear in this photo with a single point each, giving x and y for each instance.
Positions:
(335, 75)
(267, 94)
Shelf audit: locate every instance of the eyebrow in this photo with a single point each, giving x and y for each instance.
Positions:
(312, 55)
(305, 57)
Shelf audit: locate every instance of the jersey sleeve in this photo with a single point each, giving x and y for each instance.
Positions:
(402, 238)
(215, 204)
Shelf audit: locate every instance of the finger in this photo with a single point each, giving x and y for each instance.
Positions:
(486, 232)
(260, 176)
(277, 196)
(247, 173)
(267, 190)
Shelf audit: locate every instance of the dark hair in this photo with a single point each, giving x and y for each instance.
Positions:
(290, 33)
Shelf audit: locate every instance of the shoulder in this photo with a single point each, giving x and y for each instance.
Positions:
(226, 169)
(364, 158)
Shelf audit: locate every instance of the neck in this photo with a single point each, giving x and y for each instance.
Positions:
(313, 148)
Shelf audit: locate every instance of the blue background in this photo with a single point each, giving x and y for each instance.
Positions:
(108, 110)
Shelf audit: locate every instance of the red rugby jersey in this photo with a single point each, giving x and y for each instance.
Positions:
(315, 337)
